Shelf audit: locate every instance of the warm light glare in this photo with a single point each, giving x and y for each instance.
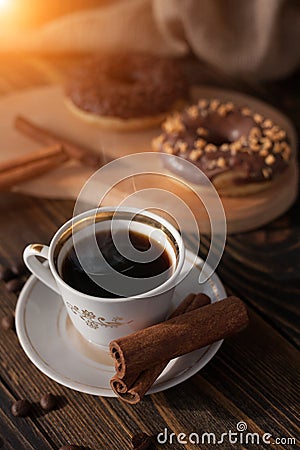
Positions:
(4, 4)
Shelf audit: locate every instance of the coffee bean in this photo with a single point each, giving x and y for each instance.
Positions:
(20, 408)
(48, 401)
(8, 322)
(14, 285)
(6, 273)
(70, 447)
(140, 441)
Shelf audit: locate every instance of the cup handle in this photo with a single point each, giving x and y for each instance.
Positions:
(41, 271)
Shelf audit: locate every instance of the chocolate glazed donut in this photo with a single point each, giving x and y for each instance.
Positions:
(126, 89)
(240, 151)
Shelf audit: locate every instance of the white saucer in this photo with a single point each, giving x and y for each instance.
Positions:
(58, 350)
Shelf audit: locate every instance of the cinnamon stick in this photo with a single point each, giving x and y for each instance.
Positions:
(39, 134)
(17, 171)
(37, 155)
(178, 336)
(132, 389)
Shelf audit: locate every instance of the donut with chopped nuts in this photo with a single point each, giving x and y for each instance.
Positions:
(238, 149)
(126, 91)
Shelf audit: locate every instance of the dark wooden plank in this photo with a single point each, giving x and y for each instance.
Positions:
(249, 380)
(264, 268)
(26, 220)
(234, 386)
(18, 433)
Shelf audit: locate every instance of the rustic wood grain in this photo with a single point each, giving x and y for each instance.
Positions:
(234, 386)
(18, 433)
(254, 376)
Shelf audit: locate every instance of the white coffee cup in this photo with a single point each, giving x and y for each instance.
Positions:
(102, 319)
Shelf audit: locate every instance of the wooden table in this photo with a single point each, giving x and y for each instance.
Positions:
(252, 379)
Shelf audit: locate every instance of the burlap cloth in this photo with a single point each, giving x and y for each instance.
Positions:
(240, 37)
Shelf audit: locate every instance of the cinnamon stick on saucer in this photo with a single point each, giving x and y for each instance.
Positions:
(31, 165)
(39, 134)
(178, 336)
(134, 386)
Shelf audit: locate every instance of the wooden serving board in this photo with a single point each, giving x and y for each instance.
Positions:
(46, 107)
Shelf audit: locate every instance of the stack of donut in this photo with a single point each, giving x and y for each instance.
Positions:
(239, 150)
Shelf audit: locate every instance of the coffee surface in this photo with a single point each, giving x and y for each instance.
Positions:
(81, 265)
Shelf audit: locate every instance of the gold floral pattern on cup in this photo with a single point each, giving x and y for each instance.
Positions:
(95, 322)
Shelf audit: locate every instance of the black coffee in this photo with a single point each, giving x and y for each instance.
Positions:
(74, 270)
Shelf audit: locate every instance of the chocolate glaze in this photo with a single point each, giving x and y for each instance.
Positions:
(220, 129)
(126, 86)
(250, 165)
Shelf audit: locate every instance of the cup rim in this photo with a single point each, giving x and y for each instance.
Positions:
(152, 292)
